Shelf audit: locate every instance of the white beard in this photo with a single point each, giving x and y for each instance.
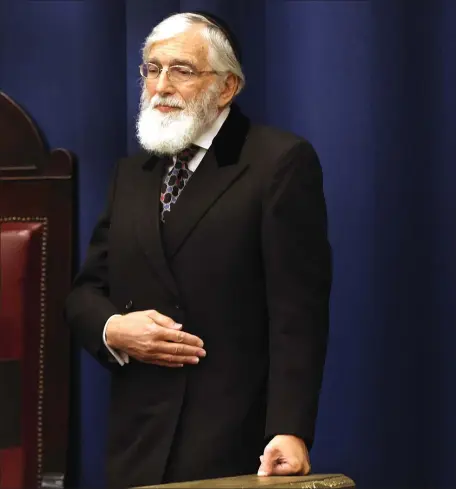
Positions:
(170, 133)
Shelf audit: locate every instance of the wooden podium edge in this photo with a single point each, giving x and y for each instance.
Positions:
(314, 481)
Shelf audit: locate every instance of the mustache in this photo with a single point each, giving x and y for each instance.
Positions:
(170, 101)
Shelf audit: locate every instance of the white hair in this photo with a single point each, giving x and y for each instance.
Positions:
(221, 54)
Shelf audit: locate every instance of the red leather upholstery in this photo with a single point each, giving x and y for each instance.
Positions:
(11, 468)
(21, 272)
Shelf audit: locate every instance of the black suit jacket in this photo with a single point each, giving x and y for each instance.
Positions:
(243, 262)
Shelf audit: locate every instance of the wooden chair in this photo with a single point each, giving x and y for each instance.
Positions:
(36, 221)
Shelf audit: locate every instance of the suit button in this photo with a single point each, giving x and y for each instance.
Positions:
(177, 306)
(129, 305)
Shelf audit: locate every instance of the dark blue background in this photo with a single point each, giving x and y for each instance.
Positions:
(372, 84)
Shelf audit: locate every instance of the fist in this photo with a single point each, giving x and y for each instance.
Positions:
(285, 455)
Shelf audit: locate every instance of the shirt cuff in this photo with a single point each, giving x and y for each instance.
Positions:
(121, 357)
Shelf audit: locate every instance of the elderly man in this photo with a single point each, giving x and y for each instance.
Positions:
(206, 285)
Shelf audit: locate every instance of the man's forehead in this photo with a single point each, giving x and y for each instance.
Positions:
(189, 44)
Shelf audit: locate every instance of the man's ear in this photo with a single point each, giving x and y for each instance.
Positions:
(229, 90)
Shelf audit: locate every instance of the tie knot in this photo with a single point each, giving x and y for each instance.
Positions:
(187, 154)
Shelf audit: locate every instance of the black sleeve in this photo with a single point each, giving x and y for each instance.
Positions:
(88, 306)
(297, 263)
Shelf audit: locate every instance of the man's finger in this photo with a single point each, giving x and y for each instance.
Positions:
(163, 357)
(163, 320)
(181, 337)
(268, 461)
(179, 349)
(263, 470)
(287, 468)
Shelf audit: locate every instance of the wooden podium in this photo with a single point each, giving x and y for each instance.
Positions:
(314, 481)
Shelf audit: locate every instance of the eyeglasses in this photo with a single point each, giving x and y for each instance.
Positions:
(175, 73)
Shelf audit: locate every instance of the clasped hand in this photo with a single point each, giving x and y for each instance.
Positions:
(151, 337)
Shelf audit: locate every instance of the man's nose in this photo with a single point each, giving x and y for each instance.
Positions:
(163, 84)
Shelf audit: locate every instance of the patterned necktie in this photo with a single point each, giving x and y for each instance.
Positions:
(176, 179)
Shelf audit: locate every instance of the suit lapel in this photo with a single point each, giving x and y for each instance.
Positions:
(147, 218)
(219, 169)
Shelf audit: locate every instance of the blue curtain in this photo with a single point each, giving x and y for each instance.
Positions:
(372, 85)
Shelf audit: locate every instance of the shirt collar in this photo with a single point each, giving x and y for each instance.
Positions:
(205, 140)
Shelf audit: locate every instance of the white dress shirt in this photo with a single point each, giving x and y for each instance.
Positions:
(204, 142)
